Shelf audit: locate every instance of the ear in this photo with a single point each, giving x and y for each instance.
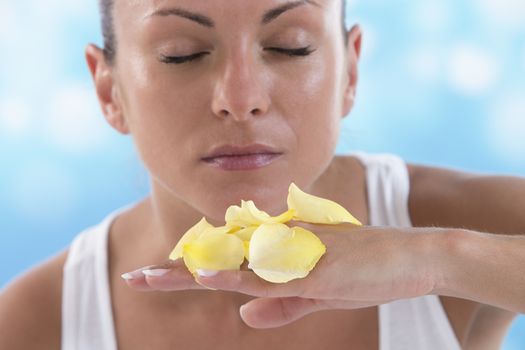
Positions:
(107, 91)
(353, 52)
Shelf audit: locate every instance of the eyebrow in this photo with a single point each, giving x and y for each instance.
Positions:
(207, 22)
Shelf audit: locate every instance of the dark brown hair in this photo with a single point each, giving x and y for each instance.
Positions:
(110, 42)
(108, 33)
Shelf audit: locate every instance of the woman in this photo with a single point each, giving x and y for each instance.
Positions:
(231, 100)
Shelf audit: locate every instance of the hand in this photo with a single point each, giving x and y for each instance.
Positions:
(362, 267)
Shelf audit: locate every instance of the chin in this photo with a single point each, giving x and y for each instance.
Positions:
(272, 199)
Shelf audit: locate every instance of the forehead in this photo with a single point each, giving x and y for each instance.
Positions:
(252, 11)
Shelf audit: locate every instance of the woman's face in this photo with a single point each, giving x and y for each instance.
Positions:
(241, 90)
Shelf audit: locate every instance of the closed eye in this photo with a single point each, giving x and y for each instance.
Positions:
(304, 51)
(182, 59)
(300, 52)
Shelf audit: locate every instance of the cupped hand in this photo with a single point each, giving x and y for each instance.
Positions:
(362, 267)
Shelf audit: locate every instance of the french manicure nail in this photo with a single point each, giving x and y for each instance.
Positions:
(135, 274)
(242, 309)
(206, 273)
(155, 272)
(127, 276)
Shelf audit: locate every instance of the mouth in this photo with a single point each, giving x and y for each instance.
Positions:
(233, 158)
(236, 157)
(242, 161)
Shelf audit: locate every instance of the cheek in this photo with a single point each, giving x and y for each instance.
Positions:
(310, 101)
(158, 107)
(158, 131)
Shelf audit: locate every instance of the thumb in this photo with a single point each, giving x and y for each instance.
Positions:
(276, 312)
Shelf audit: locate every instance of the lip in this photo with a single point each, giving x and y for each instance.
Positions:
(250, 157)
(243, 162)
(235, 150)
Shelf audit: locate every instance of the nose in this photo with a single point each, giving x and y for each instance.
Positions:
(240, 91)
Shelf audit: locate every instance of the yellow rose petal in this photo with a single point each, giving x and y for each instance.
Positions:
(279, 254)
(246, 250)
(249, 215)
(245, 235)
(192, 234)
(317, 210)
(214, 250)
(284, 217)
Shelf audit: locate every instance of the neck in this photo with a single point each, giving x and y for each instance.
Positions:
(169, 216)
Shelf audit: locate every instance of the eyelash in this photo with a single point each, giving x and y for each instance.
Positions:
(301, 52)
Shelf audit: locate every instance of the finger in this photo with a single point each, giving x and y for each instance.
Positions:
(139, 284)
(247, 282)
(277, 312)
(136, 279)
(169, 276)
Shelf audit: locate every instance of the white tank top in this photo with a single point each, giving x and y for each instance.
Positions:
(416, 323)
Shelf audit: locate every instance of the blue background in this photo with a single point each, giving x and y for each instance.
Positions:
(442, 82)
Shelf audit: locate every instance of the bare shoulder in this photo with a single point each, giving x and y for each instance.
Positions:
(445, 197)
(432, 192)
(30, 307)
(454, 198)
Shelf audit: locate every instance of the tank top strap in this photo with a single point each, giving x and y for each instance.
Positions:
(87, 319)
(416, 323)
(388, 186)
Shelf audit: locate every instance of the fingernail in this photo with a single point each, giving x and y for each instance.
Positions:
(242, 312)
(210, 288)
(155, 272)
(206, 273)
(135, 274)
(127, 276)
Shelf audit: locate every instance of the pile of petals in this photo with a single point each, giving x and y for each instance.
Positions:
(275, 252)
